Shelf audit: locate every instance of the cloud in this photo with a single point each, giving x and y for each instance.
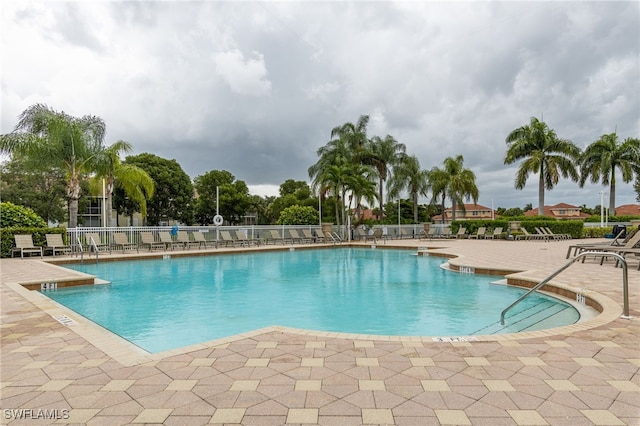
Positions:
(244, 76)
(256, 87)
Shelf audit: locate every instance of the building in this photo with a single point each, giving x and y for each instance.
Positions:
(628, 210)
(470, 212)
(560, 211)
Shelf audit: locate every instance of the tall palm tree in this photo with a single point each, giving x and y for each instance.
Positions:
(354, 135)
(407, 175)
(601, 158)
(454, 181)
(384, 154)
(135, 182)
(542, 152)
(65, 142)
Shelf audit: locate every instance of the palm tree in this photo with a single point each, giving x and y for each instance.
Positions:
(601, 158)
(407, 175)
(455, 181)
(354, 135)
(65, 142)
(543, 153)
(135, 182)
(383, 154)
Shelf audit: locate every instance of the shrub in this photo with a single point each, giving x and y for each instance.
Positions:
(14, 216)
(298, 215)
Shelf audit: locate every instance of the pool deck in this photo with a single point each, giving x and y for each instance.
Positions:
(55, 363)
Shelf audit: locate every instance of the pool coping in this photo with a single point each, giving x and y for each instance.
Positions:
(127, 353)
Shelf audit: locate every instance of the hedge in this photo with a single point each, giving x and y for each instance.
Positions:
(573, 227)
(7, 242)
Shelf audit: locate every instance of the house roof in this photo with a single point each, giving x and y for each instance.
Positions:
(628, 210)
(551, 211)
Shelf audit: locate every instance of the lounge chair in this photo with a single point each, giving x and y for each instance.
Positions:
(120, 240)
(244, 239)
(497, 233)
(275, 236)
(446, 233)
(526, 235)
(359, 234)
(432, 233)
(94, 242)
(295, 236)
(168, 242)
(616, 242)
(199, 238)
(228, 240)
(147, 239)
(375, 236)
(462, 232)
(480, 233)
(56, 245)
(633, 242)
(541, 234)
(183, 237)
(405, 234)
(24, 244)
(308, 235)
(557, 236)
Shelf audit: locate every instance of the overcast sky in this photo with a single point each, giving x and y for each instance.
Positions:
(256, 87)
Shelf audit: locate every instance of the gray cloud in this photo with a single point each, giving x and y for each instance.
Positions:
(256, 87)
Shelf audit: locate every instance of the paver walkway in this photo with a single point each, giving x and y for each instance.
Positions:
(76, 372)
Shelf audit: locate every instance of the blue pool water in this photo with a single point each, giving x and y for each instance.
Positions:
(165, 304)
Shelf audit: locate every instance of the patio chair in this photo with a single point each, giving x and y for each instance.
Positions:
(24, 244)
(557, 236)
(147, 239)
(359, 234)
(94, 242)
(308, 235)
(169, 242)
(275, 236)
(295, 236)
(183, 237)
(121, 240)
(199, 237)
(629, 246)
(497, 233)
(56, 245)
(228, 240)
(462, 232)
(480, 233)
(404, 233)
(446, 233)
(617, 241)
(375, 236)
(244, 239)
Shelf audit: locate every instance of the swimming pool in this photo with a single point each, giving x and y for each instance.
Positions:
(169, 303)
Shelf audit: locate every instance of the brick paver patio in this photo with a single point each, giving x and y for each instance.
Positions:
(60, 370)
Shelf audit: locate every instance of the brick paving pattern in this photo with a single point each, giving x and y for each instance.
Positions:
(582, 375)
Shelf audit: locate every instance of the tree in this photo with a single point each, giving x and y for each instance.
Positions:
(40, 187)
(543, 153)
(298, 215)
(408, 176)
(68, 143)
(16, 216)
(173, 195)
(234, 202)
(601, 159)
(384, 154)
(454, 181)
(136, 184)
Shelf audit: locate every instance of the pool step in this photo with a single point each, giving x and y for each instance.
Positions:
(537, 317)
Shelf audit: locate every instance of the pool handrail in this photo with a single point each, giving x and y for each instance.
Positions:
(625, 282)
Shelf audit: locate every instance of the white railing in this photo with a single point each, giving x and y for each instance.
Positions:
(258, 232)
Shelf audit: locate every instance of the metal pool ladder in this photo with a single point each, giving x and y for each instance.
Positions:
(625, 282)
